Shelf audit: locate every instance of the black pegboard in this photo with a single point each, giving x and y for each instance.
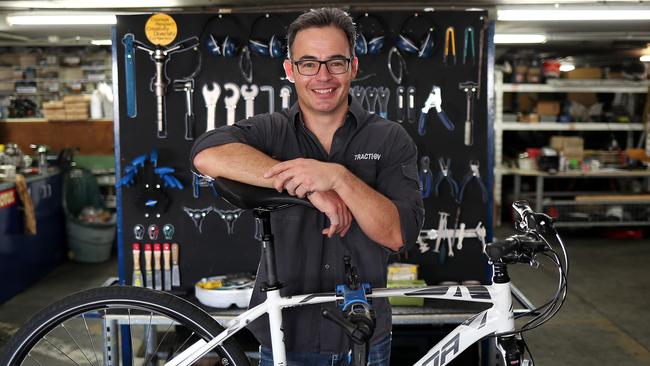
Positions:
(214, 251)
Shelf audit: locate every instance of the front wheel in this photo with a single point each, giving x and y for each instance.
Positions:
(117, 326)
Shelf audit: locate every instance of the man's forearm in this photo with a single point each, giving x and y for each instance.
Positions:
(235, 161)
(375, 214)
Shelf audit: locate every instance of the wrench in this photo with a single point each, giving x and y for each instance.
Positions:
(271, 91)
(231, 102)
(129, 67)
(359, 93)
(461, 236)
(371, 97)
(211, 97)
(384, 96)
(249, 93)
(442, 228)
(410, 105)
(285, 94)
(481, 232)
(187, 86)
(400, 104)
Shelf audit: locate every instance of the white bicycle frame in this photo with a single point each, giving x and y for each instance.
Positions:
(497, 319)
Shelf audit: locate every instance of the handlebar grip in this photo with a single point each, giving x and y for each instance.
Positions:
(515, 249)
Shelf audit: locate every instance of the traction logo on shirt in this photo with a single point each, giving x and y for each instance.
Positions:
(367, 156)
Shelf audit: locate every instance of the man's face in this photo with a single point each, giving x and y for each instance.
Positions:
(323, 92)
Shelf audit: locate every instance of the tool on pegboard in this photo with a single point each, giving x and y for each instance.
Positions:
(167, 267)
(198, 215)
(176, 272)
(450, 43)
(157, 267)
(469, 42)
(469, 87)
(148, 271)
(168, 231)
(137, 272)
(434, 100)
(230, 217)
(474, 174)
(445, 175)
(138, 231)
(425, 176)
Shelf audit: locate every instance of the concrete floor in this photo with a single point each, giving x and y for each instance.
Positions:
(605, 320)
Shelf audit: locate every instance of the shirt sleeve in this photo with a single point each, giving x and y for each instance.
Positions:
(398, 181)
(254, 131)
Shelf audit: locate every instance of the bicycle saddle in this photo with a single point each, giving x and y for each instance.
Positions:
(248, 197)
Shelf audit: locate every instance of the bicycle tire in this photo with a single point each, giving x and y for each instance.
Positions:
(117, 299)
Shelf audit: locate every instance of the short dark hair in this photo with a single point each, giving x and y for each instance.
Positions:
(319, 18)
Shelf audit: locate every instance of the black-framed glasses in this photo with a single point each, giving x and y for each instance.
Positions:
(335, 66)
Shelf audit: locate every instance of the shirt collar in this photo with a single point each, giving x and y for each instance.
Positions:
(354, 109)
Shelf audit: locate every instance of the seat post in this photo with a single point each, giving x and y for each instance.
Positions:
(268, 251)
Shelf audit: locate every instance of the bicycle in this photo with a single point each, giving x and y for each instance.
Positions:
(134, 310)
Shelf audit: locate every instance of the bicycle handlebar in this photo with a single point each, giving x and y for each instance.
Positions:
(515, 249)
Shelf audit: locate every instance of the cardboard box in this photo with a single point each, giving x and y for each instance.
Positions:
(548, 108)
(405, 300)
(571, 146)
(27, 60)
(585, 73)
(402, 272)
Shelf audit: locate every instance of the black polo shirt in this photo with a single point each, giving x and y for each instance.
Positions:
(376, 150)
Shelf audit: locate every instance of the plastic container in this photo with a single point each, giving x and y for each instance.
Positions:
(90, 242)
(222, 297)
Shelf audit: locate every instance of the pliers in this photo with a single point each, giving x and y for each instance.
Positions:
(445, 174)
(473, 173)
(425, 176)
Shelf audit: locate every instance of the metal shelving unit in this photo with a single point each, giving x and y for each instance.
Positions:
(564, 86)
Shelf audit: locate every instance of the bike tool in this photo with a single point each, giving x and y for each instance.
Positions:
(271, 95)
(176, 272)
(211, 96)
(148, 271)
(473, 174)
(450, 35)
(411, 109)
(442, 234)
(137, 272)
(359, 93)
(469, 41)
(383, 96)
(425, 176)
(285, 96)
(167, 267)
(249, 93)
(445, 174)
(168, 231)
(358, 320)
(129, 69)
(138, 231)
(372, 96)
(231, 102)
(153, 231)
(469, 87)
(434, 101)
(198, 215)
(481, 41)
(229, 216)
(186, 85)
(160, 55)
(401, 105)
(157, 267)
(397, 78)
(201, 181)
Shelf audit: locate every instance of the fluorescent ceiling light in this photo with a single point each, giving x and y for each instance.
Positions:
(645, 58)
(567, 67)
(527, 15)
(61, 19)
(519, 38)
(101, 42)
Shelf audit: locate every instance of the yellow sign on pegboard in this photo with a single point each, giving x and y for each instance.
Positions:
(161, 29)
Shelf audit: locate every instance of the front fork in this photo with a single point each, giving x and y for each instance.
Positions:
(513, 349)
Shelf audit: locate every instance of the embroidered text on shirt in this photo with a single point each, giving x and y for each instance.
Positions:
(367, 156)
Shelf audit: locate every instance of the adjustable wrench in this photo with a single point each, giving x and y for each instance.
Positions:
(401, 105)
(211, 97)
(469, 88)
(249, 93)
(372, 95)
(271, 91)
(231, 102)
(187, 86)
(285, 94)
(384, 96)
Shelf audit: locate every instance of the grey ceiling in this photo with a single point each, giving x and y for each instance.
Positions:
(601, 37)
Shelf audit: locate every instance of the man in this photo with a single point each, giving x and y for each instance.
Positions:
(356, 168)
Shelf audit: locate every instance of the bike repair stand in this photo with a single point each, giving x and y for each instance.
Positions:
(358, 320)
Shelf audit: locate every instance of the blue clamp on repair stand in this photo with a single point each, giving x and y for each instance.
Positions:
(358, 320)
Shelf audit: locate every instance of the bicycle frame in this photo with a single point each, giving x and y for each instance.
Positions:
(497, 319)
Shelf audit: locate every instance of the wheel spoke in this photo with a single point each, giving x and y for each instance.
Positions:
(183, 344)
(159, 343)
(90, 338)
(33, 359)
(76, 344)
(60, 350)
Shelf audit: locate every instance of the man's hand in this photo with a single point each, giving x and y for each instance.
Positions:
(336, 211)
(302, 176)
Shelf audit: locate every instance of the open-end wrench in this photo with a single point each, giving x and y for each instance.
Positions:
(129, 67)
(383, 97)
(231, 102)
(372, 95)
(249, 93)
(285, 94)
(401, 104)
(187, 86)
(211, 97)
(411, 109)
(271, 91)
(442, 229)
